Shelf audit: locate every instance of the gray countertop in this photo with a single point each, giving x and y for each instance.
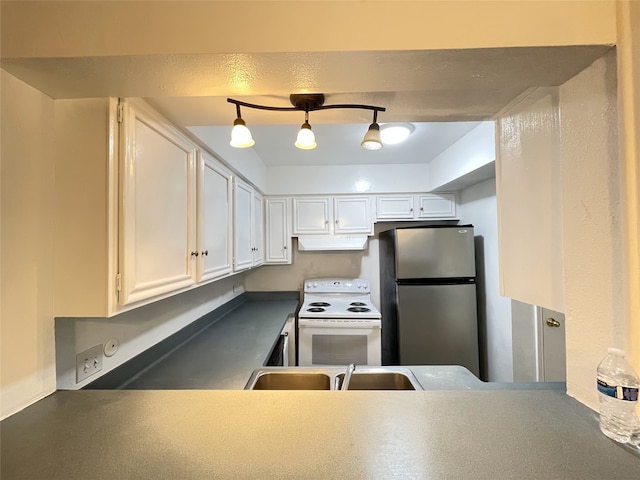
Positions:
(204, 434)
(224, 354)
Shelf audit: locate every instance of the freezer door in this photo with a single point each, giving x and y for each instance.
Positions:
(437, 325)
(435, 252)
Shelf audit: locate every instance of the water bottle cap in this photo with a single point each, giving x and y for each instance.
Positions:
(615, 351)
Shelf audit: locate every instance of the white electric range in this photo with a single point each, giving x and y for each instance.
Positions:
(338, 324)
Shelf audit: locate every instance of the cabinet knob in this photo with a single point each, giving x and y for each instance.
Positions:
(552, 322)
(206, 252)
(326, 222)
(285, 247)
(194, 254)
(411, 209)
(337, 221)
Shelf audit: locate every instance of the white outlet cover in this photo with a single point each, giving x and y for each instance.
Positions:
(88, 363)
(111, 347)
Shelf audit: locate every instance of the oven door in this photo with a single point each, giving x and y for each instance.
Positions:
(332, 344)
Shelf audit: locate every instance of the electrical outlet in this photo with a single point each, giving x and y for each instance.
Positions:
(88, 363)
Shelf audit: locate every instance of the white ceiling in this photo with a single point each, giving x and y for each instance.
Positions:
(422, 86)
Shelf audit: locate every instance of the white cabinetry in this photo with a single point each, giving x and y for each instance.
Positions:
(421, 206)
(215, 233)
(139, 215)
(157, 216)
(340, 215)
(248, 226)
(278, 230)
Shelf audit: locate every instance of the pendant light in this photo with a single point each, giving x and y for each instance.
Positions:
(306, 140)
(240, 134)
(371, 140)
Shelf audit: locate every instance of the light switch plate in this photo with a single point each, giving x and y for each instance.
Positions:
(88, 363)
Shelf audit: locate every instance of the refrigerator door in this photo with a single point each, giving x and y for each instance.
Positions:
(435, 252)
(437, 325)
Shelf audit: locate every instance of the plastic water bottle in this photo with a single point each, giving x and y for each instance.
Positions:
(618, 391)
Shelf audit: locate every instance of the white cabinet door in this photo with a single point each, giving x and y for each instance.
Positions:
(352, 215)
(416, 206)
(312, 215)
(257, 230)
(243, 223)
(215, 190)
(278, 236)
(394, 207)
(157, 210)
(437, 205)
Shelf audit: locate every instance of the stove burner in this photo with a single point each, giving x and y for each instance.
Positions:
(358, 304)
(358, 309)
(315, 309)
(319, 304)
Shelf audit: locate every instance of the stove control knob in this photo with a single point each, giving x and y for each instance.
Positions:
(315, 284)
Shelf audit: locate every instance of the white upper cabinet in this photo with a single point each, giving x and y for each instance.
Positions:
(437, 205)
(257, 231)
(157, 217)
(278, 230)
(248, 226)
(419, 206)
(352, 215)
(312, 215)
(324, 215)
(215, 196)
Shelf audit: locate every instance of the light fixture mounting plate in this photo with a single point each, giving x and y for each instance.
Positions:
(306, 101)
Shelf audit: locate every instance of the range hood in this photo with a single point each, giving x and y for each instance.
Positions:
(331, 242)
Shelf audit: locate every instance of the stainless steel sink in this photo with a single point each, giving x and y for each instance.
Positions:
(380, 381)
(288, 380)
(331, 378)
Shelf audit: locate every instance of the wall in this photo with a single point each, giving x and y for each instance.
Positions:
(593, 224)
(529, 189)
(471, 157)
(137, 329)
(478, 206)
(290, 180)
(26, 322)
(628, 50)
(32, 29)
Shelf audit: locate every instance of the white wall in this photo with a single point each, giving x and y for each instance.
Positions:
(471, 159)
(26, 322)
(593, 229)
(529, 189)
(478, 206)
(290, 180)
(137, 329)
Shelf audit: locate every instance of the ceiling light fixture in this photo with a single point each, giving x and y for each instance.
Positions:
(306, 102)
(240, 134)
(306, 139)
(371, 140)
(392, 133)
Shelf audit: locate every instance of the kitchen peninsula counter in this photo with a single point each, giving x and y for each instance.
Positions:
(204, 434)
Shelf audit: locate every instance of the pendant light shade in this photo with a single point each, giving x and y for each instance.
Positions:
(240, 134)
(306, 140)
(372, 139)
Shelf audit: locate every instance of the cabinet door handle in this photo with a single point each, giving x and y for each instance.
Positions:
(206, 252)
(194, 254)
(552, 322)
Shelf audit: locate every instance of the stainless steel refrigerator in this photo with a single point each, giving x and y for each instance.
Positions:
(428, 296)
